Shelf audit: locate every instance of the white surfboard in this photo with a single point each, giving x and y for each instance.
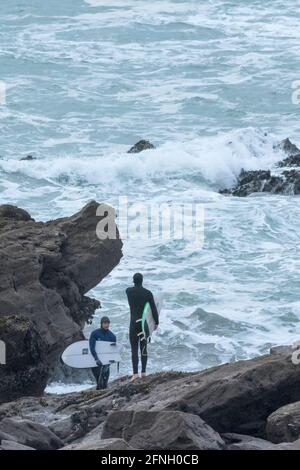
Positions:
(78, 355)
(148, 323)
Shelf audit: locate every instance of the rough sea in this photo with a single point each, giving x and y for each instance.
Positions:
(210, 84)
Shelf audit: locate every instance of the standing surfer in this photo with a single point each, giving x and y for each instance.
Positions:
(101, 373)
(138, 296)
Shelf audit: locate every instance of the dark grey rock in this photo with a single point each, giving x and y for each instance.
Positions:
(72, 427)
(100, 444)
(65, 374)
(293, 160)
(10, 213)
(141, 146)
(281, 350)
(46, 269)
(256, 182)
(243, 442)
(28, 158)
(26, 370)
(291, 182)
(12, 445)
(288, 147)
(261, 181)
(288, 446)
(162, 430)
(30, 434)
(284, 424)
(6, 437)
(231, 398)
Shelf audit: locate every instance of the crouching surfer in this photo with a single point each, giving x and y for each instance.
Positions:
(101, 372)
(138, 296)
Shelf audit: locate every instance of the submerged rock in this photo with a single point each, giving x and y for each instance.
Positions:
(28, 158)
(292, 181)
(256, 182)
(140, 146)
(294, 160)
(46, 269)
(262, 181)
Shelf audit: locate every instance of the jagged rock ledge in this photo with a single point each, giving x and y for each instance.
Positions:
(249, 405)
(264, 181)
(46, 270)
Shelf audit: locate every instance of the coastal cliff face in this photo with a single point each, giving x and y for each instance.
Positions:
(46, 270)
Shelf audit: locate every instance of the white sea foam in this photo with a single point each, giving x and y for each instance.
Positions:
(217, 159)
(58, 388)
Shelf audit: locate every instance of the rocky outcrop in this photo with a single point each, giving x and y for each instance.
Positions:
(293, 160)
(140, 146)
(28, 158)
(30, 434)
(264, 181)
(27, 366)
(11, 445)
(46, 270)
(288, 147)
(164, 430)
(242, 442)
(284, 424)
(259, 181)
(100, 444)
(172, 410)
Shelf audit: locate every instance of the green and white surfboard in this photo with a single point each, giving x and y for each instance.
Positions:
(148, 323)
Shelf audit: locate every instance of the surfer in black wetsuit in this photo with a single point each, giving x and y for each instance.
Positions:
(138, 296)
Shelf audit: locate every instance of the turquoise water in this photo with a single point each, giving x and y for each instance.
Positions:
(210, 84)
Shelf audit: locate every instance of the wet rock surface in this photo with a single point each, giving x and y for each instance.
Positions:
(140, 146)
(286, 181)
(28, 158)
(284, 424)
(162, 430)
(171, 410)
(46, 270)
(30, 434)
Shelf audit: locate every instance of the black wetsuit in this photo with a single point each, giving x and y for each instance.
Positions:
(138, 296)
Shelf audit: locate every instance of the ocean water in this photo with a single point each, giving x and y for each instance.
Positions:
(210, 84)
